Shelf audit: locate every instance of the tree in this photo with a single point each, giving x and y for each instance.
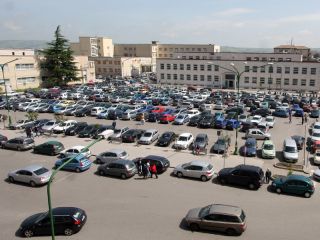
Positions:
(32, 116)
(58, 62)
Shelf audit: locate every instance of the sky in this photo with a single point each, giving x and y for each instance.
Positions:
(237, 23)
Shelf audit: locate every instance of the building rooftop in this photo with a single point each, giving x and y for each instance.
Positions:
(292, 47)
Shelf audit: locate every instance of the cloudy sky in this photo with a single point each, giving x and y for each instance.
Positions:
(238, 23)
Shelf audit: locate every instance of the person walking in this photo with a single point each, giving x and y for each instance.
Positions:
(28, 132)
(268, 176)
(142, 119)
(306, 118)
(302, 119)
(36, 131)
(114, 124)
(153, 170)
(148, 169)
(290, 118)
(145, 171)
(140, 172)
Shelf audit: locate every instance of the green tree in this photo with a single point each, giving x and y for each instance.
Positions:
(32, 116)
(58, 62)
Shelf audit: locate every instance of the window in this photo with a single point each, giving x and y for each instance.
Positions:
(216, 78)
(279, 69)
(197, 57)
(13, 53)
(246, 80)
(286, 81)
(175, 67)
(181, 66)
(295, 70)
(216, 68)
(202, 67)
(162, 66)
(303, 82)
(288, 59)
(169, 76)
(254, 69)
(262, 80)
(294, 82)
(287, 70)
(188, 66)
(312, 82)
(270, 80)
(181, 77)
(280, 59)
(313, 71)
(246, 68)
(24, 66)
(209, 67)
(248, 59)
(195, 77)
(270, 69)
(175, 76)
(254, 80)
(201, 77)
(304, 70)
(188, 77)
(278, 81)
(25, 80)
(209, 78)
(263, 69)
(195, 67)
(168, 66)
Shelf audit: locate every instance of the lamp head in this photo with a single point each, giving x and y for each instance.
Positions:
(232, 64)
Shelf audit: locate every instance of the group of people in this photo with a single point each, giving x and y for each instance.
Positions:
(304, 117)
(33, 132)
(146, 170)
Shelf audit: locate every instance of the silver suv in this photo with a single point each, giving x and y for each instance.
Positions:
(195, 169)
(19, 143)
(258, 134)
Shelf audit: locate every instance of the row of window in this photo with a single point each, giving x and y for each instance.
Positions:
(25, 80)
(269, 69)
(264, 59)
(100, 70)
(110, 62)
(184, 49)
(189, 77)
(25, 66)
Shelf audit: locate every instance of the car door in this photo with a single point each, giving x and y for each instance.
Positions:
(43, 227)
(111, 169)
(109, 157)
(209, 222)
(20, 176)
(290, 186)
(234, 176)
(195, 171)
(301, 187)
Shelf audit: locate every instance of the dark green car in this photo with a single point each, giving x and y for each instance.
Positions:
(294, 184)
(49, 148)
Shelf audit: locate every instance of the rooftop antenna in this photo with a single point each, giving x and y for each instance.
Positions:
(291, 42)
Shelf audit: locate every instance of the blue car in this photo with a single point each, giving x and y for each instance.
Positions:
(79, 164)
(232, 124)
(298, 112)
(220, 123)
(103, 114)
(250, 148)
(281, 113)
(315, 113)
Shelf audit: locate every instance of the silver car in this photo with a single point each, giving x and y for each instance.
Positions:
(19, 143)
(258, 134)
(33, 175)
(118, 133)
(112, 155)
(49, 126)
(195, 169)
(149, 136)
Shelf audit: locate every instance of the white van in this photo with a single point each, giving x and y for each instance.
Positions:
(290, 150)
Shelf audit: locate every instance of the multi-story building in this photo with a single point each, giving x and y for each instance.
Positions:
(23, 69)
(258, 71)
(293, 49)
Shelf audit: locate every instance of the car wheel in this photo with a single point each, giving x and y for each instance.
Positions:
(204, 178)
(278, 190)
(307, 194)
(28, 233)
(123, 176)
(52, 153)
(252, 186)
(194, 227)
(231, 232)
(98, 161)
(101, 173)
(32, 184)
(19, 148)
(68, 232)
(11, 179)
(78, 170)
(179, 174)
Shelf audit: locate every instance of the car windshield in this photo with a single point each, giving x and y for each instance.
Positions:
(185, 165)
(40, 171)
(269, 120)
(116, 131)
(204, 211)
(290, 149)
(316, 134)
(62, 124)
(316, 126)
(318, 154)
(221, 142)
(147, 134)
(268, 147)
(183, 138)
(199, 139)
(124, 153)
(166, 135)
(250, 144)
(50, 123)
(256, 118)
(180, 117)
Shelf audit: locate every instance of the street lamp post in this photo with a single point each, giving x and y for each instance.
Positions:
(52, 177)
(5, 87)
(238, 74)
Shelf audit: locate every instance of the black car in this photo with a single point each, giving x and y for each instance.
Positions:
(238, 110)
(207, 122)
(245, 126)
(3, 139)
(161, 163)
(153, 117)
(194, 121)
(132, 135)
(83, 112)
(89, 131)
(165, 139)
(115, 114)
(299, 141)
(221, 145)
(243, 175)
(46, 109)
(263, 112)
(67, 221)
(74, 130)
(100, 130)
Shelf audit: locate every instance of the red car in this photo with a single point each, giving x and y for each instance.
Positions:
(166, 118)
(158, 109)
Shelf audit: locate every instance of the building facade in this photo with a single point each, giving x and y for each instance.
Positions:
(258, 71)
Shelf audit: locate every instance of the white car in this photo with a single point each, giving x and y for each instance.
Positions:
(106, 133)
(64, 126)
(316, 157)
(256, 119)
(218, 106)
(95, 111)
(22, 123)
(315, 136)
(184, 141)
(315, 127)
(193, 112)
(270, 121)
(316, 174)
(243, 118)
(48, 127)
(75, 150)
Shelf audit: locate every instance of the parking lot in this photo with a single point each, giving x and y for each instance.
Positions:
(154, 208)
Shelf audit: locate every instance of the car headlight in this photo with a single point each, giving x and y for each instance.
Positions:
(274, 185)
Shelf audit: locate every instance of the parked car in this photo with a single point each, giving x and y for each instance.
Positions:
(221, 145)
(270, 121)
(19, 143)
(111, 155)
(315, 113)
(86, 111)
(300, 140)
(22, 123)
(149, 136)
(166, 118)
(3, 139)
(117, 134)
(63, 126)
(74, 130)
(132, 135)
(75, 150)
(232, 124)
(290, 150)
(250, 148)
(49, 148)
(294, 184)
(166, 139)
(181, 119)
(161, 163)
(184, 141)
(217, 217)
(79, 163)
(316, 157)
(49, 126)
(268, 149)
(281, 113)
(201, 141)
(89, 131)
(258, 134)
(256, 119)
(195, 169)
(67, 221)
(243, 175)
(33, 175)
(119, 168)
(129, 114)
(207, 121)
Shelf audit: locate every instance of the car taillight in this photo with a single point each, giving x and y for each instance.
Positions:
(77, 222)
(208, 172)
(81, 164)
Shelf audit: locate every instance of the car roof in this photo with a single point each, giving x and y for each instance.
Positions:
(298, 177)
(202, 135)
(121, 161)
(225, 209)
(64, 211)
(151, 130)
(32, 167)
(116, 151)
(199, 163)
(53, 142)
(77, 147)
(268, 142)
(185, 134)
(155, 157)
